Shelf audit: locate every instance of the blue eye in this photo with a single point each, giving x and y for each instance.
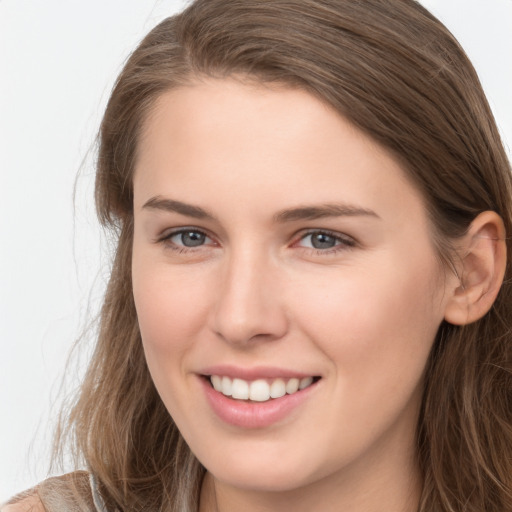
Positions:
(322, 240)
(188, 238)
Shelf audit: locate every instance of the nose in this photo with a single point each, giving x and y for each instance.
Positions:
(249, 305)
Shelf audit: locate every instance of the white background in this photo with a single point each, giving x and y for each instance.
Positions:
(58, 61)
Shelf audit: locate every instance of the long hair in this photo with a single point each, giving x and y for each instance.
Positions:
(396, 73)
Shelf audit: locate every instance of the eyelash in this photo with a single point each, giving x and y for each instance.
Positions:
(343, 242)
(166, 240)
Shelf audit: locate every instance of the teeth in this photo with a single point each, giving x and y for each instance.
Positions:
(292, 386)
(258, 390)
(217, 382)
(304, 383)
(227, 386)
(240, 389)
(278, 388)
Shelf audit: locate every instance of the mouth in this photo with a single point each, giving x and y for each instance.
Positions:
(259, 390)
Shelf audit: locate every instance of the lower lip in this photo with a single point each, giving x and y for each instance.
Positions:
(252, 415)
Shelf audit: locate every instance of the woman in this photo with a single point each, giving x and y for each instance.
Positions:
(310, 303)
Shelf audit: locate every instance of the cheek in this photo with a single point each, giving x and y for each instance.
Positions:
(376, 328)
(171, 313)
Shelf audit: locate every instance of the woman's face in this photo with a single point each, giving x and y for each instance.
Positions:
(276, 245)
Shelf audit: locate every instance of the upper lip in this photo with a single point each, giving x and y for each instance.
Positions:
(254, 373)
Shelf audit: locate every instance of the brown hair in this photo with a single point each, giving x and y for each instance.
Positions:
(395, 72)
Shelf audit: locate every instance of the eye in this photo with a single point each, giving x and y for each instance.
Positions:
(186, 238)
(324, 241)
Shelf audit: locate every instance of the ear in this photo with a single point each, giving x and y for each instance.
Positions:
(483, 257)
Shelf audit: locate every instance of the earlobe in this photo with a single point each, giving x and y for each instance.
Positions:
(483, 256)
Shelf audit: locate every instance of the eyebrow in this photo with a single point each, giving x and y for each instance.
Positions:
(321, 211)
(170, 205)
(307, 212)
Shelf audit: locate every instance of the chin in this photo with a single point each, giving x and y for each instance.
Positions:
(275, 480)
(270, 472)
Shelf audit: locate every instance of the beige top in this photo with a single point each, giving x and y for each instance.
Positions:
(74, 492)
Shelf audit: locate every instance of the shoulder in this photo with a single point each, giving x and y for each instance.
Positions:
(67, 492)
(28, 504)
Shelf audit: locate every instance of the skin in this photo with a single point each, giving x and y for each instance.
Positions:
(362, 314)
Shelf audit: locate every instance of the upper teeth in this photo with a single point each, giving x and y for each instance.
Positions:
(258, 390)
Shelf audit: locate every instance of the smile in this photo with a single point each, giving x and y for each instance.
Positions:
(260, 390)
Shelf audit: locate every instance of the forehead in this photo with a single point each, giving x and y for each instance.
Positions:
(273, 145)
